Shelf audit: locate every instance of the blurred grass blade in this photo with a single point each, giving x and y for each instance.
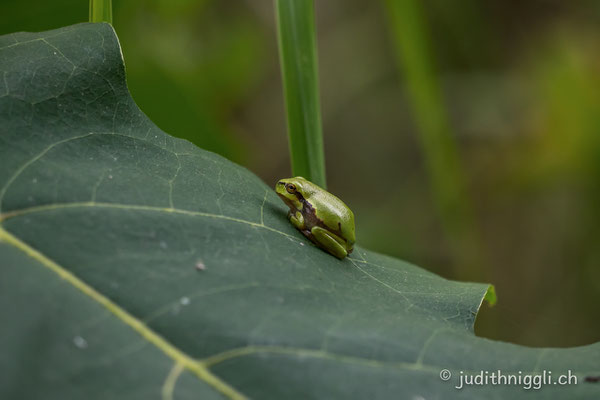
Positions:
(101, 11)
(298, 57)
(411, 45)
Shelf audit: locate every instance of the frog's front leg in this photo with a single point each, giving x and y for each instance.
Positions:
(329, 241)
(297, 219)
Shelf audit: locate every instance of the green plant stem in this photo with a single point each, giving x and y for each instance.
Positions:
(411, 45)
(101, 11)
(298, 57)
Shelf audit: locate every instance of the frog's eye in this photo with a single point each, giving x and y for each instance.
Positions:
(291, 188)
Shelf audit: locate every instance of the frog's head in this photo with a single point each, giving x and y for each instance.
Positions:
(293, 191)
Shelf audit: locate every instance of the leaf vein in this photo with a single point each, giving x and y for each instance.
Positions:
(199, 368)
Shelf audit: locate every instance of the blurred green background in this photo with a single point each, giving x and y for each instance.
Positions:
(514, 88)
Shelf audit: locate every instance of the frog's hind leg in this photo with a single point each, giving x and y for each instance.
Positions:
(329, 242)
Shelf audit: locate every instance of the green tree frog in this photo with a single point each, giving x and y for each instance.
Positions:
(319, 215)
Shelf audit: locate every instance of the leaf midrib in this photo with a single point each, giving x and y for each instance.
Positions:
(59, 206)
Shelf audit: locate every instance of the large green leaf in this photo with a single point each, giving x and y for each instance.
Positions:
(134, 265)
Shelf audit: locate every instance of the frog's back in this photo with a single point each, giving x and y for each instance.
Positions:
(338, 216)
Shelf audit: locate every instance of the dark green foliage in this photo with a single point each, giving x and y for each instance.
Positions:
(126, 253)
